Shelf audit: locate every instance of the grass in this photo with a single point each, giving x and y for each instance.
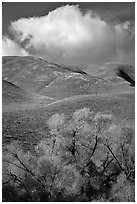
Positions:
(34, 120)
(30, 126)
(80, 158)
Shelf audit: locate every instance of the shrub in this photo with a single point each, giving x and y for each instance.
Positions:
(123, 190)
(85, 158)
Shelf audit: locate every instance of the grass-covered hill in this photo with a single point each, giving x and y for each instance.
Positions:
(13, 94)
(114, 72)
(45, 78)
(68, 134)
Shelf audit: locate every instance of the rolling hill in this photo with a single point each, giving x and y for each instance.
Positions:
(13, 94)
(114, 72)
(45, 78)
(36, 75)
(44, 88)
(37, 96)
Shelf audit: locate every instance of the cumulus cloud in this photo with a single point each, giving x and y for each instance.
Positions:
(9, 47)
(68, 35)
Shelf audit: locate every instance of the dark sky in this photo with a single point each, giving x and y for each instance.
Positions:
(91, 33)
(109, 11)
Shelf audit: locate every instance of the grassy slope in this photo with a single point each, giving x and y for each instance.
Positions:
(49, 79)
(13, 94)
(25, 113)
(27, 121)
(73, 84)
(34, 74)
(13, 65)
(30, 125)
(110, 71)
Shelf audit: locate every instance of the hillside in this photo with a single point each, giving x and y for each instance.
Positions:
(67, 133)
(36, 75)
(13, 94)
(114, 72)
(45, 78)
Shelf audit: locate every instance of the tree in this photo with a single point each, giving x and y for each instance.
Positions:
(82, 158)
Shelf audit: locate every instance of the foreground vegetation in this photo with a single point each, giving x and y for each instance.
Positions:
(85, 157)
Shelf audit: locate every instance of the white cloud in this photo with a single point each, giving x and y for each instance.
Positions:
(68, 35)
(10, 47)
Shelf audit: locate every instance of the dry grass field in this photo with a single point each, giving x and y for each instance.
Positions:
(68, 134)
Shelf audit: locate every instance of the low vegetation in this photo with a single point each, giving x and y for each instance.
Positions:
(85, 157)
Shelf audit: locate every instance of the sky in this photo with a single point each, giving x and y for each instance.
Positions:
(70, 33)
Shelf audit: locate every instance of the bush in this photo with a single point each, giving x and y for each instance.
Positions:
(123, 190)
(83, 158)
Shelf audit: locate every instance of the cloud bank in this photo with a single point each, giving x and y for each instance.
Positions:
(9, 47)
(67, 35)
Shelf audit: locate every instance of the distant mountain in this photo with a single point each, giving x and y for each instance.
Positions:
(39, 76)
(36, 75)
(126, 72)
(114, 72)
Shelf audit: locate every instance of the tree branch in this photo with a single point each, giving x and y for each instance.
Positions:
(124, 157)
(116, 159)
(20, 181)
(29, 171)
(95, 146)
